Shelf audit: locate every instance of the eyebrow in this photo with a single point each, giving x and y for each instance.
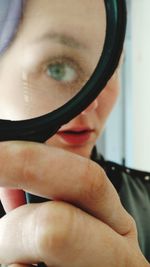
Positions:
(61, 38)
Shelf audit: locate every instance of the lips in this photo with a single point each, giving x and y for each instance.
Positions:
(76, 136)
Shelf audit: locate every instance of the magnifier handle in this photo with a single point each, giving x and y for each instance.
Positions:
(42, 264)
(34, 199)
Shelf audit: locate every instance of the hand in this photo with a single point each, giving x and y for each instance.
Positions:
(84, 226)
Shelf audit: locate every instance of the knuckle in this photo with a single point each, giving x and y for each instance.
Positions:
(133, 226)
(54, 229)
(95, 183)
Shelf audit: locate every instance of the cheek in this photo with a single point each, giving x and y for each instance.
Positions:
(107, 99)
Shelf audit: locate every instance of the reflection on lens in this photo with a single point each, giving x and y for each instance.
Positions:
(54, 52)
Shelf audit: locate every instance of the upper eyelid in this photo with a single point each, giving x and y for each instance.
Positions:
(62, 59)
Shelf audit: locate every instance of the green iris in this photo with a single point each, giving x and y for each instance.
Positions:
(61, 72)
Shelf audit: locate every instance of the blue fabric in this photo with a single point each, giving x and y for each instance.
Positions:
(10, 14)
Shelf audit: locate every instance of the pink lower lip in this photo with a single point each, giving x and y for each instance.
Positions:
(75, 138)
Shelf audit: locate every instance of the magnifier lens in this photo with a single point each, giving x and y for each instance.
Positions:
(55, 50)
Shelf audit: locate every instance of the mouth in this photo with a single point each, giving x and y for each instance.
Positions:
(76, 136)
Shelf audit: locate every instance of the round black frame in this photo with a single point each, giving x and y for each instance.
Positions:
(41, 128)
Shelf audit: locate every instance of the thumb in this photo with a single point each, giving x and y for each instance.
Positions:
(12, 198)
(19, 265)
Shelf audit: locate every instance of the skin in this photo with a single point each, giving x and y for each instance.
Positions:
(54, 232)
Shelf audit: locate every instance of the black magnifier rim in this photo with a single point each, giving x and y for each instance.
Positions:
(41, 128)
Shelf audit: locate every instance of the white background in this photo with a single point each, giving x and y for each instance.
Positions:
(127, 135)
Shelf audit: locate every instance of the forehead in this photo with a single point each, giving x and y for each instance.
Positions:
(81, 17)
(61, 8)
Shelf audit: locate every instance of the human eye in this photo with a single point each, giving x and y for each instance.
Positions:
(61, 72)
(46, 72)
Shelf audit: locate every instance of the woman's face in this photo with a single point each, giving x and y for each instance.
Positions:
(57, 46)
(79, 135)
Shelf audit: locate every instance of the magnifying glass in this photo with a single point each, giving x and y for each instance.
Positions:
(55, 59)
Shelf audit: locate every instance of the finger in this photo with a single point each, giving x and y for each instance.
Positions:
(55, 233)
(58, 174)
(12, 198)
(19, 265)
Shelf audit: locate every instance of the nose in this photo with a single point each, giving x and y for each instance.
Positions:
(91, 107)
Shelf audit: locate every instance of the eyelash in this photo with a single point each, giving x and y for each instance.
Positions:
(61, 60)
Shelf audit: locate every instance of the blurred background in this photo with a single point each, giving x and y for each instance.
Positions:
(126, 138)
